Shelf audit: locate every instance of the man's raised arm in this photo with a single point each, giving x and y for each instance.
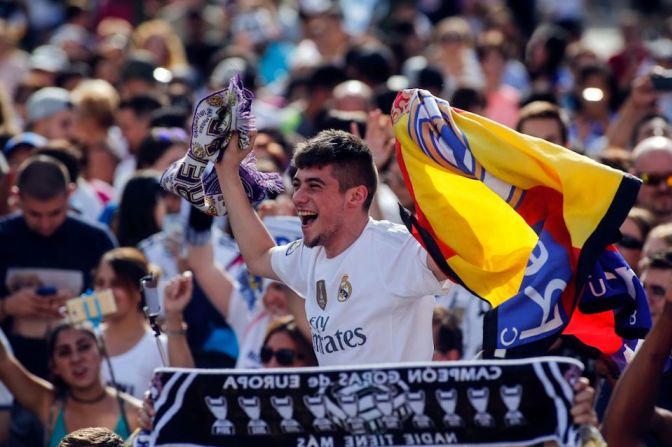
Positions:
(253, 239)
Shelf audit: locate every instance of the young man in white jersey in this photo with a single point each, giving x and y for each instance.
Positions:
(368, 285)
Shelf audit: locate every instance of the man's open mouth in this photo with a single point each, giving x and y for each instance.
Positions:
(307, 217)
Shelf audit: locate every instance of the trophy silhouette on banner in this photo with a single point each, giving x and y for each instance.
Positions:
(416, 401)
(511, 396)
(285, 408)
(479, 400)
(350, 405)
(252, 407)
(218, 406)
(317, 407)
(448, 401)
(385, 403)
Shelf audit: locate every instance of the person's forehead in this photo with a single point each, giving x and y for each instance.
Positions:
(322, 172)
(541, 121)
(655, 275)
(56, 202)
(68, 336)
(655, 160)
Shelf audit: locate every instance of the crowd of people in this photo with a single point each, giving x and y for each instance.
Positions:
(96, 102)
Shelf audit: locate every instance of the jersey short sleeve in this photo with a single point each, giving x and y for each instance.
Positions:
(406, 272)
(290, 263)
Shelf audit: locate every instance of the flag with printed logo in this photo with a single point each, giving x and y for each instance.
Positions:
(522, 223)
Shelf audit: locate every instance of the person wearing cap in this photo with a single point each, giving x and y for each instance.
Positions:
(20, 147)
(49, 113)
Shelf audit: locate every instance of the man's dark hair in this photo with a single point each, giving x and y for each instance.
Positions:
(66, 153)
(141, 105)
(169, 117)
(92, 437)
(350, 158)
(544, 110)
(326, 77)
(42, 178)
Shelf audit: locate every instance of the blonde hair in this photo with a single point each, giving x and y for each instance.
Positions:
(97, 99)
(159, 28)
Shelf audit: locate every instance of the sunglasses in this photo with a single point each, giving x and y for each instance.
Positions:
(630, 242)
(656, 179)
(284, 356)
(655, 291)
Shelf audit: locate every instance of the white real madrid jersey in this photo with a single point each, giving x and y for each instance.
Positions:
(370, 304)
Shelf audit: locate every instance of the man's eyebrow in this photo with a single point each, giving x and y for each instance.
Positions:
(310, 179)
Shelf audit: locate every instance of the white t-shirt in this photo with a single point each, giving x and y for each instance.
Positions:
(370, 304)
(133, 370)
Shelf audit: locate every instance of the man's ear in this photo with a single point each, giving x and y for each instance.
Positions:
(357, 196)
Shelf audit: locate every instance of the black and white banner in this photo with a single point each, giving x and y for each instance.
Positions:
(507, 402)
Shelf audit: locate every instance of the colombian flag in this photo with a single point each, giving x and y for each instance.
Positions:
(522, 223)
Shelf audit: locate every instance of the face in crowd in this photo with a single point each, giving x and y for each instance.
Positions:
(319, 203)
(654, 167)
(45, 217)
(75, 358)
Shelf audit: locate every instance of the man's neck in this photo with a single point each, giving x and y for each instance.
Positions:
(349, 233)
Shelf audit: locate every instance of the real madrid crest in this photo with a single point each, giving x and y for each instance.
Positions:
(321, 294)
(344, 289)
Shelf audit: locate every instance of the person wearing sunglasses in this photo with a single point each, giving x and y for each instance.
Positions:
(634, 230)
(652, 163)
(285, 346)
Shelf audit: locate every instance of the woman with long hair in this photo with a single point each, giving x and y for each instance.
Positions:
(129, 340)
(141, 209)
(76, 397)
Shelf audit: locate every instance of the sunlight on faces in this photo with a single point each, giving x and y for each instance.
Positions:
(126, 299)
(655, 198)
(319, 204)
(76, 358)
(44, 217)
